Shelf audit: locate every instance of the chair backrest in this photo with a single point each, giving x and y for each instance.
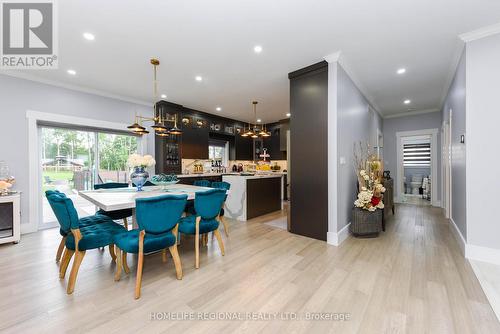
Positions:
(110, 185)
(159, 214)
(202, 183)
(221, 185)
(64, 210)
(208, 203)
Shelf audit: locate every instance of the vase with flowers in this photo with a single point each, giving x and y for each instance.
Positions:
(139, 164)
(368, 206)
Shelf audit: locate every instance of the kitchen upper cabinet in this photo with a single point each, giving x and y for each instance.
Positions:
(194, 143)
(243, 148)
(272, 143)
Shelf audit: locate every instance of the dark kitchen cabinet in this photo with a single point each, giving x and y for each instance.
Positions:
(243, 148)
(195, 143)
(272, 143)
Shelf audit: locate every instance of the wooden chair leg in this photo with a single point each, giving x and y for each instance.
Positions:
(74, 271)
(219, 240)
(119, 262)
(125, 223)
(197, 244)
(140, 263)
(164, 255)
(226, 226)
(124, 263)
(60, 249)
(112, 251)
(66, 258)
(177, 261)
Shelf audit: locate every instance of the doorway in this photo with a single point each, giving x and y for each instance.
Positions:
(416, 174)
(73, 160)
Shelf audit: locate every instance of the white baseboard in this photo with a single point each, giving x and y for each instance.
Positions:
(483, 254)
(28, 228)
(438, 204)
(458, 236)
(489, 290)
(336, 239)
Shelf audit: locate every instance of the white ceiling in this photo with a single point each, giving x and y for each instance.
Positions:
(215, 39)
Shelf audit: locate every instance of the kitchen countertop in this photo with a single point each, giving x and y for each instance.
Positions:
(270, 174)
(257, 176)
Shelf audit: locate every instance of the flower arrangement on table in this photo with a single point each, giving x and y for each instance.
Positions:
(139, 163)
(369, 173)
(4, 187)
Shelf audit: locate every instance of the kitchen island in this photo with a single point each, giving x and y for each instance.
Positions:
(253, 195)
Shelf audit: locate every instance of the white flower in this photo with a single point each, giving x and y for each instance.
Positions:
(366, 177)
(382, 189)
(363, 188)
(5, 185)
(372, 208)
(380, 205)
(362, 172)
(136, 160)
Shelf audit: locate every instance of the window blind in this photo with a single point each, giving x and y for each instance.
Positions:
(417, 155)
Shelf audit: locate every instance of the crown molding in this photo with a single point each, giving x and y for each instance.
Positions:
(333, 57)
(411, 113)
(480, 33)
(25, 76)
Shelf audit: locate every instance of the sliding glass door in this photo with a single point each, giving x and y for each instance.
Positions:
(74, 160)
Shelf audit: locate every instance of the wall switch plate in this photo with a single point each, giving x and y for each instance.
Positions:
(342, 160)
(462, 139)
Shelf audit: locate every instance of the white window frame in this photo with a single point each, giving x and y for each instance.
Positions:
(34, 152)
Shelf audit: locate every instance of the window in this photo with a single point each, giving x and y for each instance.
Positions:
(417, 155)
(217, 150)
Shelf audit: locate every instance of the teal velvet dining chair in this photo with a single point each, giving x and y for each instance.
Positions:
(158, 218)
(82, 234)
(116, 214)
(65, 231)
(225, 186)
(201, 183)
(207, 205)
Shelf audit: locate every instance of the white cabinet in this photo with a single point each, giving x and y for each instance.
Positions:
(10, 218)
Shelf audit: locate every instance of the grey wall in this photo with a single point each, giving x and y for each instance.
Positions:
(483, 158)
(356, 122)
(19, 95)
(455, 101)
(410, 123)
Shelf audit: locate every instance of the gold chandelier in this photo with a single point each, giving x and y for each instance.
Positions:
(158, 118)
(255, 131)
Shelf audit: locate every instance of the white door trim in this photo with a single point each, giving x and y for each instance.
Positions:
(400, 171)
(35, 184)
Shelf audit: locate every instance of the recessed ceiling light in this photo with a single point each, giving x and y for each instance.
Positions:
(88, 36)
(259, 120)
(401, 71)
(218, 108)
(163, 96)
(407, 101)
(198, 78)
(288, 114)
(71, 72)
(257, 49)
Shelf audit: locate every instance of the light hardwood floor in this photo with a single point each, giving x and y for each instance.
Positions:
(412, 279)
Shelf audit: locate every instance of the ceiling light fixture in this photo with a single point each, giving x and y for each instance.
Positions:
(163, 96)
(255, 131)
(288, 114)
(218, 109)
(71, 72)
(407, 101)
(401, 71)
(198, 78)
(158, 118)
(88, 36)
(257, 49)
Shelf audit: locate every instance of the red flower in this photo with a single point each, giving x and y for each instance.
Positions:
(375, 200)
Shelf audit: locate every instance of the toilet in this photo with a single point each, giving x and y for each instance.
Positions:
(415, 184)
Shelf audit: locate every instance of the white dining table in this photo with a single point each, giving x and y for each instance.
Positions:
(124, 198)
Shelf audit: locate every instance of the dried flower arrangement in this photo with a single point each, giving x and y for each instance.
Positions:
(369, 170)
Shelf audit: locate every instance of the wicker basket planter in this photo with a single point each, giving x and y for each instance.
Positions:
(366, 223)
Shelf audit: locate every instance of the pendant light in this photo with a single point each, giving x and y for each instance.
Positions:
(255, 132)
